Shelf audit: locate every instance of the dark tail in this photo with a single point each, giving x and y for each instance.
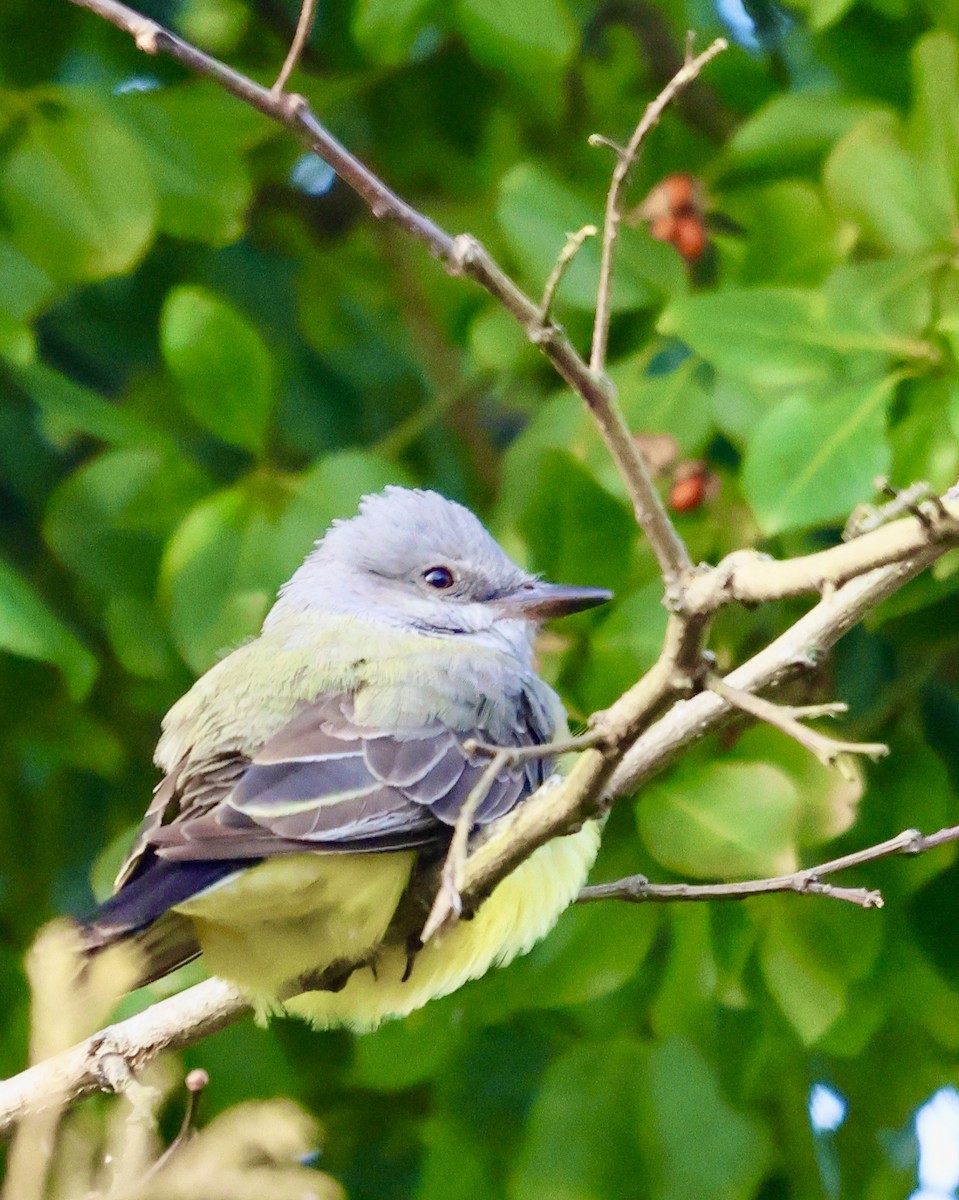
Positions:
(140, 914)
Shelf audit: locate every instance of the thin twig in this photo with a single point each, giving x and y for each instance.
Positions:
(867, 517)
(829, 751)
(461, 255)
(301, 36)
(600, 139)
(638, 889)
(448, 905)
(195, 1083)
(807, 882)
(573, 242)
(598, 776)
(518, 754)
(625, 161)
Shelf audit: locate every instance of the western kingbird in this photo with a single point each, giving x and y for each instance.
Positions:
(310, 772)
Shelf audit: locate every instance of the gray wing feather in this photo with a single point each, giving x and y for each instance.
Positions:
(327, 782)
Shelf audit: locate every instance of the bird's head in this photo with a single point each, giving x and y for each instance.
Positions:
(413, 558)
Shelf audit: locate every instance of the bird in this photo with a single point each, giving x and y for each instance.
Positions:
(314, 772)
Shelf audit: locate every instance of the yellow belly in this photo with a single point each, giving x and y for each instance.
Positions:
(302, 912)
(290, 915)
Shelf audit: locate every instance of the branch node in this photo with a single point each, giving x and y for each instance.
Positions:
(112, 1070)
(464, 254)
(830, 752)
(599, 139)
(540, 333)
(146, 35)
(293, 103)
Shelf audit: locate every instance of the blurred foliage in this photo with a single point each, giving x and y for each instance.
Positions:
(209, 349)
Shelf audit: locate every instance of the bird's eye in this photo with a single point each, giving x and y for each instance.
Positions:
(439, 577)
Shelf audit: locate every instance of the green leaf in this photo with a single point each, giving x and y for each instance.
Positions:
(811, 461)
(454, 1166)
(329, 490)
(138, 637)
(721, 820)
(873, 180)
(76, 193)
(811, 954)
(784, 337)
(626, 644)
(532, 42)
(730, 1153)
(29, 629)
(18, 346)
(403, 1054)
(673, 402)
(107, 520)
(823, 13)
(829, 799)
(24, 288)
(69, 411)
(536, 211)
(918, 448)
(195, 138)
(576, 531)
(791, 237)
(386, 29)
(934, 122)
(219, 575)
(594, 950)
(581, 1143)
(790, 133)
(224, 564)
(222, 366)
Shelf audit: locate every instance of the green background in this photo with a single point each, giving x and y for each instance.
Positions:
(202, 363)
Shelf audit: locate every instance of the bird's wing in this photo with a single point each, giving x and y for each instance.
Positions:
(328, 782)
(324, 782)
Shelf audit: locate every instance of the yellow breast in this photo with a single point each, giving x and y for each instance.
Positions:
(282, 918)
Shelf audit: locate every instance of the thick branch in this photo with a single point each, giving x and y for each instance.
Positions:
(754, 578)
(800, 648)
(597, 778)
(90, 1065)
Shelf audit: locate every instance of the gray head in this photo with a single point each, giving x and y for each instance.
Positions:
(416, 559)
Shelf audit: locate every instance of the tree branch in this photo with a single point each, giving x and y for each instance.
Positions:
(802, 647)
(625, 161)
(573, 243)
(598, 777)
(827, 750)
(447, 904)
(807, 882)
(753, 578)
(635, 740)
(461, 255)
(90, 1066)
(301, 36)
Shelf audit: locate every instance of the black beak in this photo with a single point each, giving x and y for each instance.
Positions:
(536, 601)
